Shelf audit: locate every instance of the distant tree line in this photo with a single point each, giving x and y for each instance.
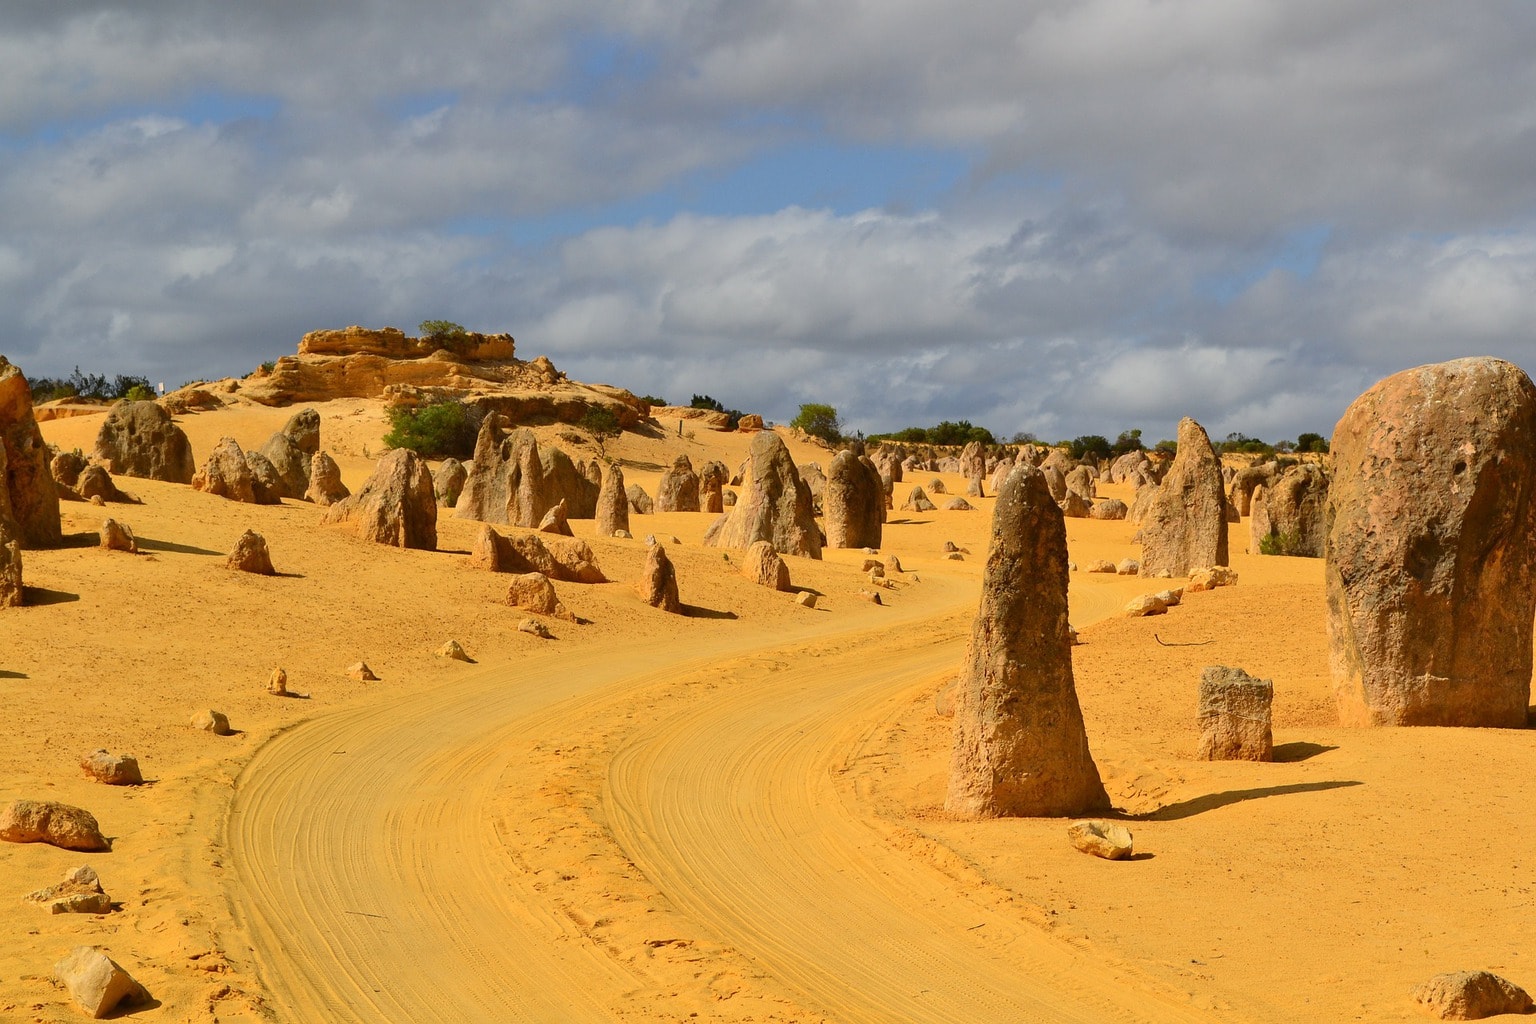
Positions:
(91, 385)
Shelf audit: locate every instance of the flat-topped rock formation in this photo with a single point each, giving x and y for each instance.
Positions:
(478, 369)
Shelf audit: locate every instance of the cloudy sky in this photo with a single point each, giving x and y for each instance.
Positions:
(1061, 217)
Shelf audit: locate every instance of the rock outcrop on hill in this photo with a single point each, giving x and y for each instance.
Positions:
(1020, 747)
(511, 480)
(28, 496)
(396, 504)
(478, 369)
(139, 439)
(775, 505)
(1431, 550)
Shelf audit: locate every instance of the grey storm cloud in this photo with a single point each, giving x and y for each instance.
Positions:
(186, 187)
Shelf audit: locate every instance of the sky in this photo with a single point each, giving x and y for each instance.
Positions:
(1036, 215)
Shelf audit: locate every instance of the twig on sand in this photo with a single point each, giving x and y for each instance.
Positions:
(1191, 643)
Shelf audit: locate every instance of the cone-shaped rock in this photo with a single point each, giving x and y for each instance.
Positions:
(1020, 748)
(678, 488)
(775, 506)
(396, 504)
(1431, 552)
(27, 490)
(612, 503)
(226, 474)
(1185, 526)
(658, 582)
(325, 487)
(854, 500)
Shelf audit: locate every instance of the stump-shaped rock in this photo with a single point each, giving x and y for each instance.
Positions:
(1235, 716)
(116, 536)
(12, 591)
(763, 566)
(775, 506)
(303, 429)
(713, 476)
(226, 474)
(250, 554)
(1019, 743)
(612, 504)
(47, 821)
(208, 720)
(396, 504)
(1290, 515)
(1431, 552)
(1185, 524)
(96, 482)
(139, 439)
(293, 464)
(678, 488)
(28, 494)
(853, 503)
(657, 586)
(973, 466)
(533, 592)
(513, 481)
(1082, 482)
(325, 487)
(448, 482)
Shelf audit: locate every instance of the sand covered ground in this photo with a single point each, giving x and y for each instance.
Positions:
(734, 815)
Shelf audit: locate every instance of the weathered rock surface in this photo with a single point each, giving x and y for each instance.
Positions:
(29, 498)
(112, 769)
(1471, 995)
(360, 672)
(513, 481)
(1210, 577)
(1019, 743)
(1235, 716)
(1144, 605)
(612, 512)
(1245, 481)
(1185, 524)
(277, 683)
(116, 536)
(250, 554)
(448, 482)
(96, 982)
(973, 466)
(918, 501)
(533, 592)
(640, 503)
(1290, 515)
(555, 521)
(47, 821)
(763, 566)
(1108, 508)
(226, 473)
(658, 582)
(678, 488)
(303, 429)
(713, 476)
(267, 486)
(1107, 839)
(396, 504)
(95, 482)
(291, 462)
(560, 558)
(775, 506)
(535, 627)
(12, 591)
(1431, 552)
(325, 487)
(216, 722)
(853, 502)
(139, 439)
(79, 893)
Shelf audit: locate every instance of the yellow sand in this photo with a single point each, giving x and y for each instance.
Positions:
(731, 816)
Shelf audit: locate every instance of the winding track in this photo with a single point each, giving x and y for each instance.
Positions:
(373, 887)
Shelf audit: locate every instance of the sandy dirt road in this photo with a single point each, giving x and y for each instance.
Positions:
(374, 882)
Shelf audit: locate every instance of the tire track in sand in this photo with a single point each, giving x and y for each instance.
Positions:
(734, 811)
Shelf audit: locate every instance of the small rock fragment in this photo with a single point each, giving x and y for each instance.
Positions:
(1146, 604)
(453, 651)
(79, 893)
(112, 769)
(250, 554)
(1101, 565)
(215, 722)
(96, 983)
(806, 599)
(1101, 838)
(117, 536)
(361, 672)
(870, 596)
(1128, 567)
(535, 627)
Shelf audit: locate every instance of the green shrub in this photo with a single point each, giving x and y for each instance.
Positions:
(1279, 544)
(140, 393)
(819, 421)
(436, 431)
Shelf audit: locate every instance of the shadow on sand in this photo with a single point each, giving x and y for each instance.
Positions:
(42, 595)
(146, 544)
(1210, 802)
(1290, 753)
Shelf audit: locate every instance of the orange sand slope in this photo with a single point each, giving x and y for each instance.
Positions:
(730, 816)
